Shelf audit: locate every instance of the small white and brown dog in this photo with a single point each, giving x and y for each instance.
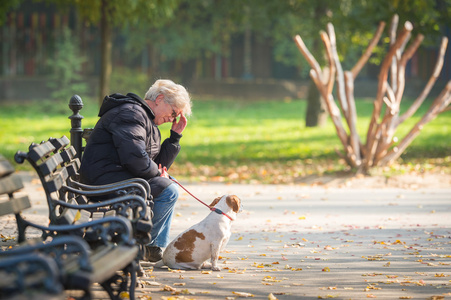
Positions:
(192, 248)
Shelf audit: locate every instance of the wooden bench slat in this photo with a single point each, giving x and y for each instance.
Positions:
(113, 260)
(67, 154)
(51, 164)
(14, 205)
(73, 167)
(97, 215)
(42, 150)
(110, 213)
(5, 167)
(57, 180)
(84, 217)
(68, 215)
(72, 152)
(60, 143)
(10, 184)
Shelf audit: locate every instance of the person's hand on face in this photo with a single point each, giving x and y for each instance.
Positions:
(179, 126)
(165, 113)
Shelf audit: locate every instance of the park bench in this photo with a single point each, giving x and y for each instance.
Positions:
(62, 256)
(70, 202)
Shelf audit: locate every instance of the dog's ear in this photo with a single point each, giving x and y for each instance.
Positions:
(215, 201)
(234, 202)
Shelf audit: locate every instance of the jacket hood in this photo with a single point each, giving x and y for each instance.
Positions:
(117, 99)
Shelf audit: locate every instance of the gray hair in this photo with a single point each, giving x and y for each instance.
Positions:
(173, 93)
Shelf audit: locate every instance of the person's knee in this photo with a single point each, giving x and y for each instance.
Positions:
(172, 191)
(169, 195)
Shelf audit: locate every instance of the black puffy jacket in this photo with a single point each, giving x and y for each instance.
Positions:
(126, 143)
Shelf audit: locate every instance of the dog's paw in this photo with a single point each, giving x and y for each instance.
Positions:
(216, 268)
(159, 264)
(206, 265)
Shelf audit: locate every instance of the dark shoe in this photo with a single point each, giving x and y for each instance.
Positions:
(152, 254)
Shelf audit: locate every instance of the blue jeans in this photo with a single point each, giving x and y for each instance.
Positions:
(163, 210)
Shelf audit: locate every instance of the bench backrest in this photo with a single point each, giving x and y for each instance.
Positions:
(10, 200)
(55, 163)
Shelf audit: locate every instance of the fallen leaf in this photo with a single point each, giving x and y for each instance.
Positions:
(327, 296)
(244, 295)
(168, 288)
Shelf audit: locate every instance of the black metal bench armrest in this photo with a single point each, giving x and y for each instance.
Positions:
(19, 266)
(117, 190)
(120, 204)
(66, 244)
(118, 228)
(144, 187)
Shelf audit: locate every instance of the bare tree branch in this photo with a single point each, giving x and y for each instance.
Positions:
(315, 74)
(443, 99)
(437, 69)
(402, 66)
(340, 77)
(366, 55)
(392, 112)
(332, 70)
(393, 67)
(353, 134)
(382, 86)
(308, 56)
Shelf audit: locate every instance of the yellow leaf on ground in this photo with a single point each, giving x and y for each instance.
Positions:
(168, 288)
(272, 297)
(244, 295)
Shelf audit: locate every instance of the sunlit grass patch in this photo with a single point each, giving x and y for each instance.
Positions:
(222, 135)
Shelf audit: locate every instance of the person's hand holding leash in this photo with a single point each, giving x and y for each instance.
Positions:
(163, 171)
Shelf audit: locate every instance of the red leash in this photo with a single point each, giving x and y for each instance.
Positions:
(216, 210)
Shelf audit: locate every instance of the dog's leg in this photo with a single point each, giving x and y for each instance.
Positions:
(214, 256)
(224, 242)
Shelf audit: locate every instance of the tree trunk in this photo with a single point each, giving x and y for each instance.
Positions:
(316, 114)
(106, 48)
(188, 71)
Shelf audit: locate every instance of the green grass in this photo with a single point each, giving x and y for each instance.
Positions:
(226, 138)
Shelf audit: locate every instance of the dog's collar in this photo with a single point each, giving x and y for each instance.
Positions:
(220, 212)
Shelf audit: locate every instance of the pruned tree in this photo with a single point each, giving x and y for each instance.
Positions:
(381, 147)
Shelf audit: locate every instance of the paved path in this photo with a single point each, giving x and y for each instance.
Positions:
(299, 242)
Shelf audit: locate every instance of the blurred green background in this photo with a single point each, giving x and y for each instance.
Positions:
(237, 58)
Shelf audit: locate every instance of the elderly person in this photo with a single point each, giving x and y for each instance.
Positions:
(126, 143)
